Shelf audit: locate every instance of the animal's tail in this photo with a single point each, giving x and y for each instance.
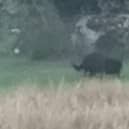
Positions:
(77, 67)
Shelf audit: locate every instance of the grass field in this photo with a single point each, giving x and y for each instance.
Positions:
(91, 104)
(21, 71)
(51, 95)
(14, 71)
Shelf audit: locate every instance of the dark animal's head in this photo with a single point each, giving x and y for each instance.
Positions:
(77, 67)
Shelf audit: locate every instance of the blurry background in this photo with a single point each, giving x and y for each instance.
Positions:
(63, 29)
(41, 38)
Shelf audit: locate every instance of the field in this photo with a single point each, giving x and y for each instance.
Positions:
(19, 71)
(90, 104)
(51, 95)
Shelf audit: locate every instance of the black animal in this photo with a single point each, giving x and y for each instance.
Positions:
(96, 63)
(113, 66)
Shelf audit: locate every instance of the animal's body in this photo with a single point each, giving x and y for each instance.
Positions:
(113, 66)
(96, 63)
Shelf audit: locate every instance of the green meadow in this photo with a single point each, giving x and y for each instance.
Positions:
(75, 107)
(15, 71)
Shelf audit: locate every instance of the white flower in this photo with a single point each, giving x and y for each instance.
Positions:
(16, 51)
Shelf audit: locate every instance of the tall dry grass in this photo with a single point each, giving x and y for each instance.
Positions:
(90, 104)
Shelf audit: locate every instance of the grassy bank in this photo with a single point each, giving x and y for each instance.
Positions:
(51, 95)
(19, 71)
(93, 104)
(14, 71)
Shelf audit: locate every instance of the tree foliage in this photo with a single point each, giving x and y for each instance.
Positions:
(42, 33)
(42, 30)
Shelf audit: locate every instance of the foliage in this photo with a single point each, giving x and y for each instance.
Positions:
(42, 30)
(115, 34)
(68, 8)
(74, 7)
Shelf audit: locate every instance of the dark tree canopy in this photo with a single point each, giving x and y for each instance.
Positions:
(68, 8)
(71, 8)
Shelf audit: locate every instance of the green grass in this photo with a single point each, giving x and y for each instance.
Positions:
(14, 71)
(21, 71)
(125, 71)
